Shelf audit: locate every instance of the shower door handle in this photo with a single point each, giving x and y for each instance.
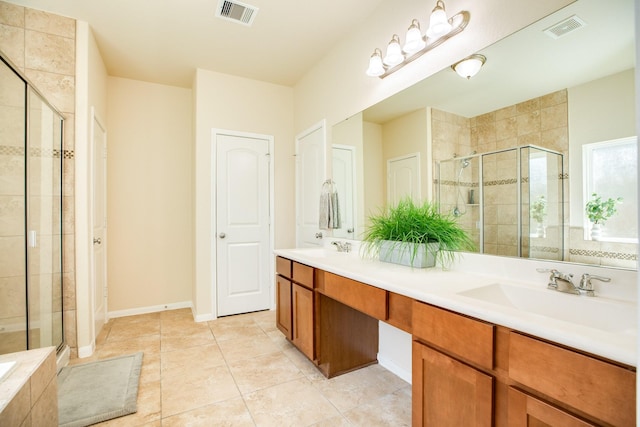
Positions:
(97, 241)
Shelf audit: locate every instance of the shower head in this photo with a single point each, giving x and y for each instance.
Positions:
(465, 163)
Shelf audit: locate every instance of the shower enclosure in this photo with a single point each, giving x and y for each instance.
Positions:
(511, 201)
(30, 216)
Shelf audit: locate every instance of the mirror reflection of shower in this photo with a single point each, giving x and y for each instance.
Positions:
(460, 207)
(492, 195)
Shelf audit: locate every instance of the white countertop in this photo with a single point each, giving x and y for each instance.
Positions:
(442, 288)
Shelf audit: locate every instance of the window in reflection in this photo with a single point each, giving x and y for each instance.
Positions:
(611, 169)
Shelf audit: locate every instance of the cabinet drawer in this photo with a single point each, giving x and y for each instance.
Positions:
(365, 298)
(303, 274)
(465, 337)
(283, 267)
(400, 311)
(525, 411)
(603, 390)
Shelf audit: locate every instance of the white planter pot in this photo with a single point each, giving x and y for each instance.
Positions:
(596, 231)
(403, 253)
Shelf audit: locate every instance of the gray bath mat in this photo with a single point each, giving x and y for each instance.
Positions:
(98, 391)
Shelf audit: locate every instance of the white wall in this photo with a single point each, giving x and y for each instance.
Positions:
(149, 194)
(233, 103)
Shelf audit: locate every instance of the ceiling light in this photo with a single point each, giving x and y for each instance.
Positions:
(414, 41)
(416, 44)
(438, 23)
(394, 54)
(469, 66)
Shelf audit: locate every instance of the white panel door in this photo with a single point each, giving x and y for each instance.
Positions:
(343, 171)
(310, 174)
(99, 202)
(403, 178)
(242, 224)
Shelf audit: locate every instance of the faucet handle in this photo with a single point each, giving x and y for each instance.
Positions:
(553, 284)
(587, 286)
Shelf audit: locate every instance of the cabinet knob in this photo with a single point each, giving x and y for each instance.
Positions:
(222, 235)
(97, 241)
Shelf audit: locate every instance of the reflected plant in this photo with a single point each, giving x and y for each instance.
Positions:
(539, 209)
(599, 211)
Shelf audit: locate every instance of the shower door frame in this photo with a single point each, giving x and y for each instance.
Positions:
(29, 89)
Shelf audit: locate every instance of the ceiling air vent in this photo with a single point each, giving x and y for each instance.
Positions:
(236, 12)
(563, 28)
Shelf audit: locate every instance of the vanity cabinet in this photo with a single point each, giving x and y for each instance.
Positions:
(448, 390)
(294, 303)
(465, 371)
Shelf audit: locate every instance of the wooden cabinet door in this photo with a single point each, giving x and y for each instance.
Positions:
(283, 306)
(447, 392)
(303, 319)
(527, 411)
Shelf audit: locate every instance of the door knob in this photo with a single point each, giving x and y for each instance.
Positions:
(97, 241)
(222, 235)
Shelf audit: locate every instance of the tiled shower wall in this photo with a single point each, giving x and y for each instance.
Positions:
(42, 46)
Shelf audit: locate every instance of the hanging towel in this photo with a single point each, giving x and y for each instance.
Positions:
(329, 217)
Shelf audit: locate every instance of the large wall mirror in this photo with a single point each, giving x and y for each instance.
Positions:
(517, 150)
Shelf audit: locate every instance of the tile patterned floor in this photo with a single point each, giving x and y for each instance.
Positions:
(241, 371)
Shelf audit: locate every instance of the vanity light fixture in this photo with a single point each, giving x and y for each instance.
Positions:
(469, 66)
(416, 44)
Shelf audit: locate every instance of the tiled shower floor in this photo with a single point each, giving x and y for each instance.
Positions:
(241, 371)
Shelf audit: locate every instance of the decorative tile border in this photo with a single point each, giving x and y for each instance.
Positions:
(604, 254)
(548, 249)
(8, 150)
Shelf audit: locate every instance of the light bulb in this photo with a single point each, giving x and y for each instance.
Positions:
(438, 23)
(394, 54)
(376, 68)
(414, 41)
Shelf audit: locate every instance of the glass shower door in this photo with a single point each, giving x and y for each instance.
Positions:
(13, 306)
(44, 224)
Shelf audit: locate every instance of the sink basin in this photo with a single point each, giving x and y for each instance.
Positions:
(592, 312)
(317, 252)
(5, 369)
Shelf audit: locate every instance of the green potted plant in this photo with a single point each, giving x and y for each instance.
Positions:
(413, 234)
(539, 213)
(599, 211)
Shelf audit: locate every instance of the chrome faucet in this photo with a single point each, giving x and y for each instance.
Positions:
(563, 282)
(587, 287)
(342, 246)
(559, 281)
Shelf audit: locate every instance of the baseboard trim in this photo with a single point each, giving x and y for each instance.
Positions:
(202, 317)
(394, 368)
(86, 350)
(150, 309)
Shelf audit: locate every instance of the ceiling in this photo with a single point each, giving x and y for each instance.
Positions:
(165, 41)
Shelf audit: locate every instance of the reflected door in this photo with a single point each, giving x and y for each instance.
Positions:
(310, 174)
(403, 178)
(343, 170)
